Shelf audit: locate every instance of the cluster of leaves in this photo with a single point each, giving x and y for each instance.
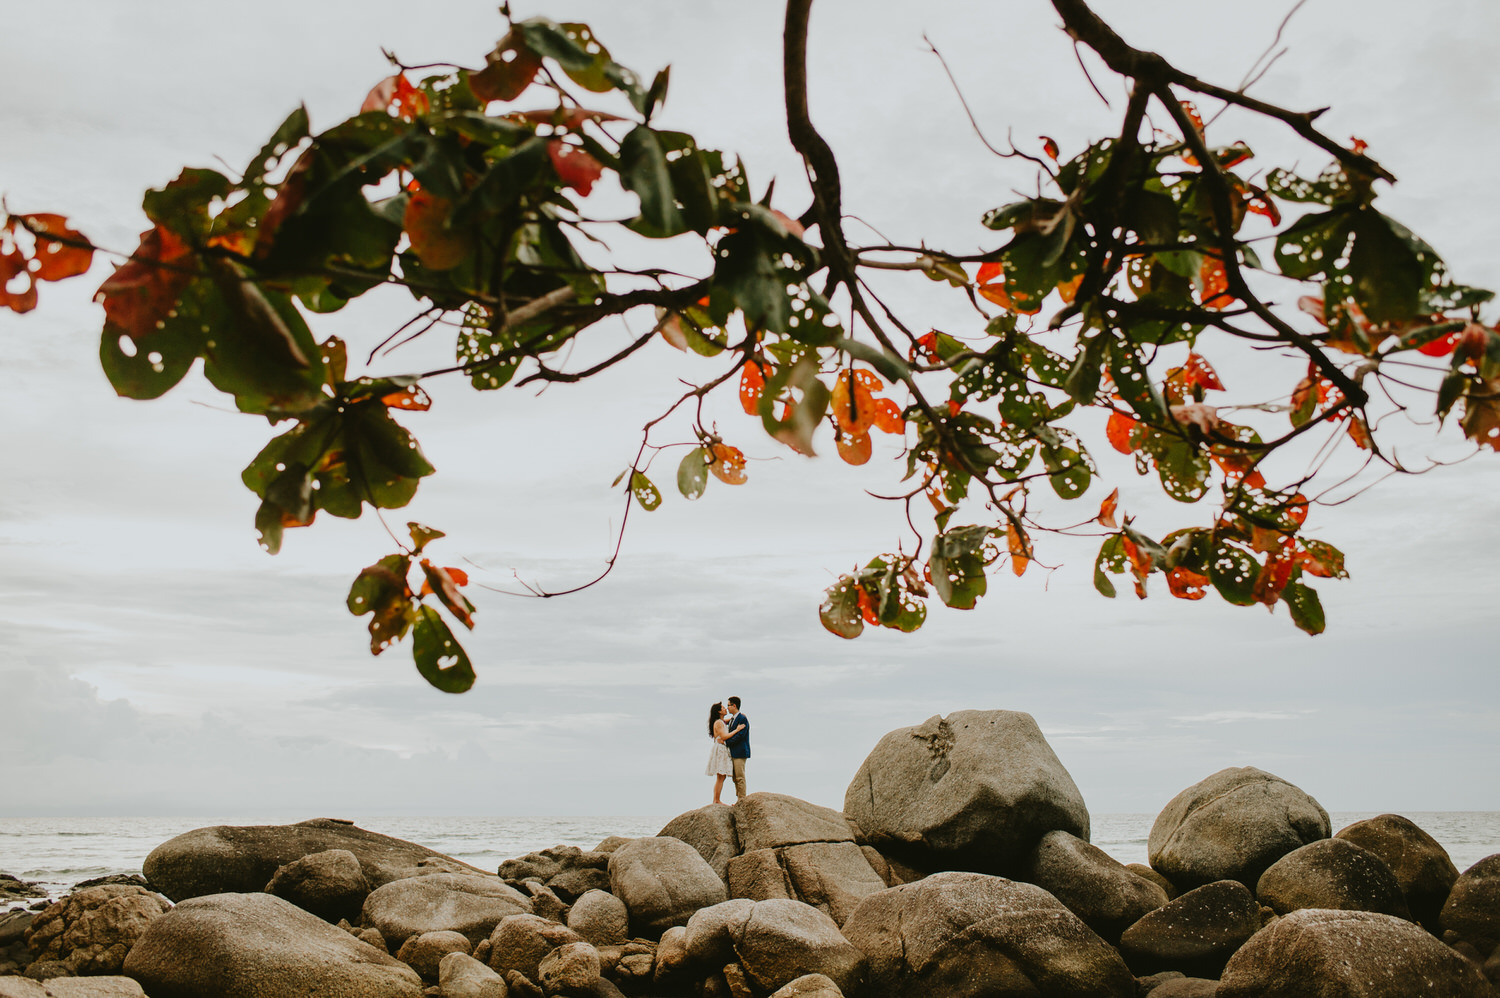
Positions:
(1140, 247)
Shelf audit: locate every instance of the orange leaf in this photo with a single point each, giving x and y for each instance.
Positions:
(752, 387)
(1140, 562)
(867, 608)
(141, 291)
(396, 94)
(411, 397)
(924, 350)
(55, 260)
(854, 448)
(1050, 148)
(1296, 508)
(576, 168)
(445, 587)
(1020, 550)
(1187, 584)
(1276, 574)
(458, 575)
(1198, 373)
(1262, 205)
(1068, 290)
(1106, 517)
(853, 401)
(1358, 145)
(426, 222)
(888, 417)
(1215, 283)
(989, 273)
(728, 464)
(1119, 430)
(1359, 432)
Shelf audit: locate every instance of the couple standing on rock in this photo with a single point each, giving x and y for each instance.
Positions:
(730, 731)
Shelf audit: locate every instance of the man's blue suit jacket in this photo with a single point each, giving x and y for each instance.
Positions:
(739, 745)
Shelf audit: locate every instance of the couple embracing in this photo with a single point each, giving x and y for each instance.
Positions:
(730, 731)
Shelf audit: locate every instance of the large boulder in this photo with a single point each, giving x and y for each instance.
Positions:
(769, 821)
(259, 946)
(1319, 953)
(662, 881)
(92, 930)
(1093, 884)
(331, 884)
(710, 830)
(71, 987)
(1422, 867)
(971, 791)
(462, 976)
(775, 941)
(425, 952)
(1331, 873)
(1231, 826)
(1473, 907)
(520, 942)
(968, 935)
(1195, 933)
(570, 968)
(243, 859)
(600, 918)
(831, 876)
(471, 905)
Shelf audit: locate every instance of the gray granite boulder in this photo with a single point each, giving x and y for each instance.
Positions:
(809, 986)
(710, 830)
(971, 791)
(775, 941)
(243, 859)
(662, 882)
(330, 884)
(1094, 885)
(1473, 906)
(600, 918)
(968, 935)
(438, 902)
(1231, 826)
(1195, 933)
(425, 952)
(92, 930)
(259, 946)
(77, 987)
(1422, 867)
(462, 976)
(1331, 873)
(520, 942)
(831, 876)
(768, 821)
(568, 969)
(1146, 873)
(1318, 953)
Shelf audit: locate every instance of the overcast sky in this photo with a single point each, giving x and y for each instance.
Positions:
(154, 661)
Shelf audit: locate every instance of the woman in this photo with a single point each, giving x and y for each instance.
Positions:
(719, 764)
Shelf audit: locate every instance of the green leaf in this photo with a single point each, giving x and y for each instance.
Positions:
(1133, 380)
(957, 565)
(182, 205)
(1082, 383)
(1426, 334)
(421, 536)
(645, 492)
(1111, 558)
(839, 611)
(1233, 571)
(440, 659)
(644, 170)
(156, 363)
(1450, 391)
(692, 473)
(379, 584)
(1330, 557)
(282, 141)
(268, 526)
(893, 367)
(1184, 469)
(1070, 472)
(1305, 606)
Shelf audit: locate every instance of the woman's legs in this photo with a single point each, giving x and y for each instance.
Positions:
(718, 788)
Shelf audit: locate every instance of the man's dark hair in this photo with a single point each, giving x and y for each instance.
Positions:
(735, 701)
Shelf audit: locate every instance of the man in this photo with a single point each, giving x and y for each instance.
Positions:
(739, 744)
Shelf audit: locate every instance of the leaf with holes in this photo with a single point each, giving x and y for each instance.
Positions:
(509, 69)
(381, 590)
(727, 464)
(440, 659)
(853, 448)
(444, 583)
(422, 535)
(575, 167)
(645, 492)
(1019, 546)
(692, 473)
(1234, 572)
(840, 611)
(957, 565)
(57, 260)
(1111, 559)
(752, 387)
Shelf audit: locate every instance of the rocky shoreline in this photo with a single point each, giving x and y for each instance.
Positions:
(959, 866)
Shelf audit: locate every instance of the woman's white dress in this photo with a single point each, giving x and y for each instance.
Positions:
(719, 763)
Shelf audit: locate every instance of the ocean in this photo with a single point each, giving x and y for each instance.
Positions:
(59, 852)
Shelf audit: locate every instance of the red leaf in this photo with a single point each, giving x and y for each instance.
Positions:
(728, 464)
(411, 397)
(396, 94)
(990, 282)
(752, 387)
(1187, 584)
(1442, 346)
(854, 448)
(1259, 204)
(13, 265)
(1313, 306)
(142, 290)
(1050, 148)
(576, 168)
(1358, 145)
(989, 272)
(867, 608)
(1119, 430)
(379, 97)
(924, 350)
(445, 587)
(55, 260)
(1277, 573)
(1198, 373)
(792, 225)
(1139, 560)
(1215, 283)
(426, 222)
(1296, 508)
(508, 70)
(1359, 432)
(569, 118)
(1106, 517)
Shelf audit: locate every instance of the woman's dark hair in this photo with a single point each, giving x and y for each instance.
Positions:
(715, 712)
